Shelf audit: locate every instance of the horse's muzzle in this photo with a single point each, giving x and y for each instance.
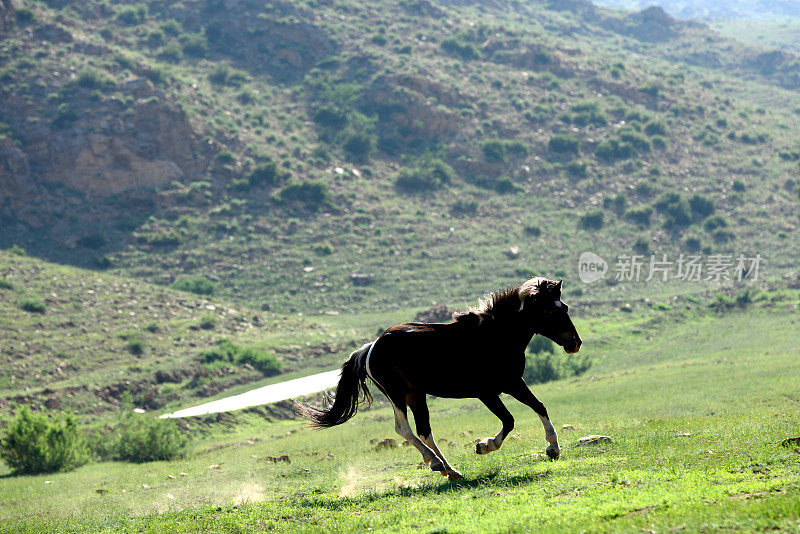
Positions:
(573, 346)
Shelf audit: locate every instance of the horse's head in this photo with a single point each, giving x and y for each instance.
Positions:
(540, 299)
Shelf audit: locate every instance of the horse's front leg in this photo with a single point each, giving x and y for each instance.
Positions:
(491, 444)
(525, 396)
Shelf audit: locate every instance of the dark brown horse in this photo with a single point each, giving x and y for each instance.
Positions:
(481, 353)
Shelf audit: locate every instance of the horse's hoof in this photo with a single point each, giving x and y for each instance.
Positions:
(454, 475)
(553, 452)
(485, 446)
(437, 465)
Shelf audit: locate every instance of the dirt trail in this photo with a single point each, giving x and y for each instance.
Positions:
(264, 395)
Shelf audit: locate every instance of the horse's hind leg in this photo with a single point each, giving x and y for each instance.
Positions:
(521, 392)
(419, 407)
(487, 445)
(402, 427)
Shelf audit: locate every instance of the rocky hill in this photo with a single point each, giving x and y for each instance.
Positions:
(321, 156)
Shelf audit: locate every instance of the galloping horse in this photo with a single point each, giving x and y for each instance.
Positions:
(481, 354)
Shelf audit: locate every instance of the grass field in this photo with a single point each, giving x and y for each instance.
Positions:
(696, 411)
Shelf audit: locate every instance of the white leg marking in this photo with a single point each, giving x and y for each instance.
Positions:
(402, 427)
(553, 450)
(487, 445)
(448, 472)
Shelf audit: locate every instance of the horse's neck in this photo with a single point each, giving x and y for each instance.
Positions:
(518, 335)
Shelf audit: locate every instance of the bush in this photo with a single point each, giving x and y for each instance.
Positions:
(701, 205)
(311, 192)
(426, 175)
(144, 438)
(17, 250)
(24, 15)
(93, 241)
(135, 345)
(714, 222)
(5, 284)
(34, 443)
(32, 305)
(546, 366)
(577, 169)
(359, 144)
(266, 174)
(224, 75)
(494, 151)
(132, 15)
(655, 128)
(460, 48)
(640, 216)
(197, 284)
(592, 220)
(564, 144)
(92, 78)
(228, 352)
(676, 208)
(194, 44)
(613, 150)
(208, 322)
(505, 185)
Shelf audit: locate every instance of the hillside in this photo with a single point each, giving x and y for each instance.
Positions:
(328, 157)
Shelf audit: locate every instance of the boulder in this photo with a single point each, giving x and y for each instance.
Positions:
(594, 439)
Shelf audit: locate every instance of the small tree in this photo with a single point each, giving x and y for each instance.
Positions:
(143, 438)
(35, 443)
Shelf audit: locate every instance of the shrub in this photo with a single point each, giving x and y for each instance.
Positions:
(636, 140)
(32, 305)
(64, 116)
(654, 127)
(564, 144)
(135, 345)
(93, 241)
(92, 78)
(228, 352)
(359, 144)
(17, 250)
(171, 52)
(208, 322)
(426, 175)
(24, 15)
(196, 284)
(132, 15)
(266, 174)
(701, 205)
(577, 169)
(613, 150)
(505, 185)
(34, 443)
(714, 222)
(194, 44)
(103, 262)
(224, 75)
(640, 216)
(676, 208)
(494, 151)
(738, 186)
(264, 361)
(5, 284)
(592, 220)
(311, 192)
(546, 366)
(539, 344)
(465, 207)
(460, 48)
(144, 438)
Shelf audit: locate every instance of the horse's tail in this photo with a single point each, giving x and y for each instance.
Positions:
(350, 392)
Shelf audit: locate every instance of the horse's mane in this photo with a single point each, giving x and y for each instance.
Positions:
(499, 304)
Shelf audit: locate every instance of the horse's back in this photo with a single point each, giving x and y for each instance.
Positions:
(442, 359)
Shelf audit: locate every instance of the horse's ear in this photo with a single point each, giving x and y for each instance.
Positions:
(557, 287)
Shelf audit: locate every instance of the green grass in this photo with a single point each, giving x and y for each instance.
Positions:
(712, 377)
